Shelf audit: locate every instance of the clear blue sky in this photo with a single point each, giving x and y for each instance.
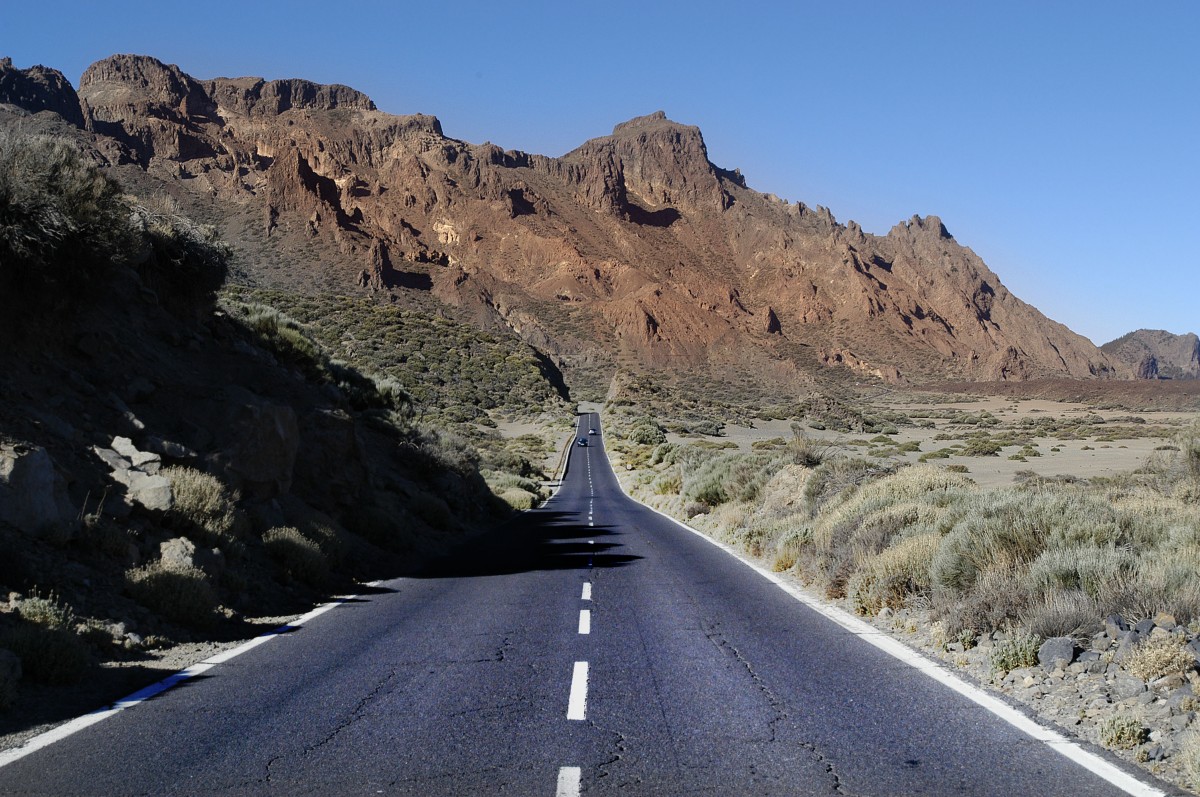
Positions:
(1059, 140)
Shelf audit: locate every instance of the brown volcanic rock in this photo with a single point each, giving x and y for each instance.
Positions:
(1157, 354)
(633, 244)
(39, 89)
(251, 96)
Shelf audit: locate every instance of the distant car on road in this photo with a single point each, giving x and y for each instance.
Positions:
(582, 441)
(591, 431)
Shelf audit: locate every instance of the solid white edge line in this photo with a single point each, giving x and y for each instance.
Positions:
(43, 740)
(898, 650)
(585, 621)
(577, 703)
(568, 782)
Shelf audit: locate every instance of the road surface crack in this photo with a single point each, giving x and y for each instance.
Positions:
(619, 749)
(500, 653)
(352, 717)
(780, 713)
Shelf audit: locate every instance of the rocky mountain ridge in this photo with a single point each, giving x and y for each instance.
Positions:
(633, 249)
(1157, 354)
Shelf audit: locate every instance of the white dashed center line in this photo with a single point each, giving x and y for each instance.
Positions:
(577, 705)
(568, 782)
(585, 621)
(587, 592)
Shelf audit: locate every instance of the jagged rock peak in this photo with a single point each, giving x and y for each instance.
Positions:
(256, 96)
(918, 224)
(39, 88)
(134, 79)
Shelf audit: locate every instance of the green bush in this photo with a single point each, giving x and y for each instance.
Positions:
(1122, 732)
(646, 432)
(1014, 652)
(1090, 568)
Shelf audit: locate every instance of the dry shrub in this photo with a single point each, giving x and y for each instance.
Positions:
(300, 557)
(1158, 585)
(48, 655)
(1122, 732)
(895, 575)
(1089, 568)
(1062, 612)
(1189, 757)
(518, 499)
(790, 546)
(994, 602)
(329, 539)
(45, 641)
(177, 592)
(1161, 656)
(433, 510)
(48, 612)
(201, 499)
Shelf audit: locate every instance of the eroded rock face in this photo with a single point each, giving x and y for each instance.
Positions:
(259, 444)
(660, 254)
(334, 464)
(39, 89)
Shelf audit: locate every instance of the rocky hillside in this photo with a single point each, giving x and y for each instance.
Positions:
(1157, 354)
(633, 249)
(175, 462)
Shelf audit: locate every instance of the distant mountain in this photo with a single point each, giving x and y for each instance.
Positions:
(1157, 354)
(632, 250)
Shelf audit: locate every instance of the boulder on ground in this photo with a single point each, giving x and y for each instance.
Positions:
(33, 495)
(1057, 653)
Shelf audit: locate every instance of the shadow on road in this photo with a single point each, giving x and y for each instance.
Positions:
(540, 540)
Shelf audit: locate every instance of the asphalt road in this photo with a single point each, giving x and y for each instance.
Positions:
(590, 646)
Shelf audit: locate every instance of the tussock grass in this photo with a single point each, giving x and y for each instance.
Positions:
(1189, 757)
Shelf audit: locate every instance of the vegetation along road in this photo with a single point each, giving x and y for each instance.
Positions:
(590, 646)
